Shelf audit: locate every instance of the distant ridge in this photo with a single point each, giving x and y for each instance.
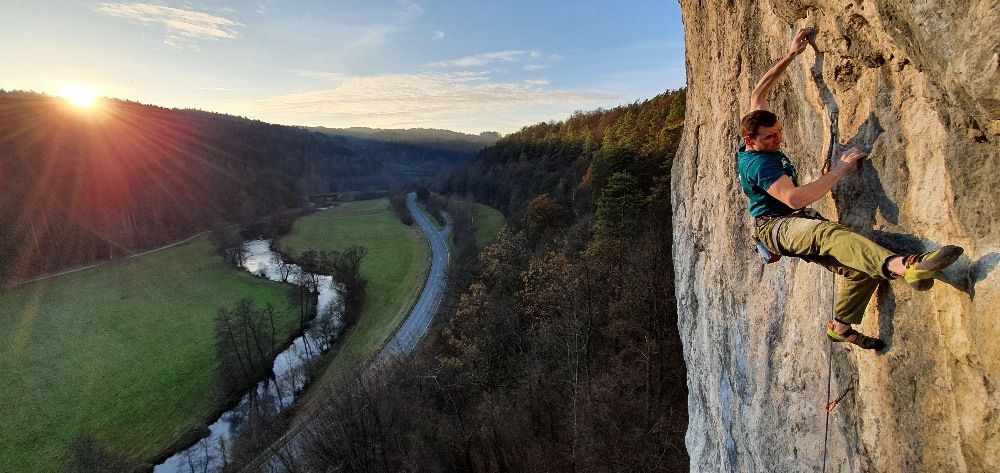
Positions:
(415, 135)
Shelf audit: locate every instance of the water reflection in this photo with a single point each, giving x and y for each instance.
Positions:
(290, 368)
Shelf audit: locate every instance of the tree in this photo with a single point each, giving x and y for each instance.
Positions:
(543, 217)
(397, 203)
(423, 193)
(228, 243)
(245, 340)
(619, 206)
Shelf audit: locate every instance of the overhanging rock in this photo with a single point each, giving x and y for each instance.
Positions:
(920, 81)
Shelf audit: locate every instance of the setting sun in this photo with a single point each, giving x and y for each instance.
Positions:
(77, 94)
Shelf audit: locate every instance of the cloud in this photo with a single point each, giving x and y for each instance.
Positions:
(469, 76)
(483, 59)
(438, 34)
(215, 89)
(263, 6)
(359, 33)
(537, 82)
(331, 76)
(402, 100)
(183, 27)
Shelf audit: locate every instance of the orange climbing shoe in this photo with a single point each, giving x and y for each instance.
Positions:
(920, 268)
(855, 337)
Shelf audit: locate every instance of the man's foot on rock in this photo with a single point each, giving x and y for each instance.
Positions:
(920, 268)
(853, 336)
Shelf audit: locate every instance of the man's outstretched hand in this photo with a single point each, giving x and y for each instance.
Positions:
(800, 41)
(850, 159)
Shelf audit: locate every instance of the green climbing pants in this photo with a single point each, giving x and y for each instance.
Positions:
(831, 245)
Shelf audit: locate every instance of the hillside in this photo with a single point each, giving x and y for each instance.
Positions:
(572, 160)
(85, 185)
(556, 348)
(416, 153)
(919, 82)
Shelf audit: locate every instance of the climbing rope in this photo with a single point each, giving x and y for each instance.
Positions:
(831, 405)
(826, 428)
(829, 369)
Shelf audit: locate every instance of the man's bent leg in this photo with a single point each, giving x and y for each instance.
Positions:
(854, 291)
(853, 297)
(818, 238)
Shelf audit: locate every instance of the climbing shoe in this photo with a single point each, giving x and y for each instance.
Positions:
(855, 337)
(920, 268)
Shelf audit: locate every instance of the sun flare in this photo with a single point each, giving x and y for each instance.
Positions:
(78, 94)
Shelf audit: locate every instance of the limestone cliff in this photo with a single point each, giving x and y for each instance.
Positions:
(919, 80)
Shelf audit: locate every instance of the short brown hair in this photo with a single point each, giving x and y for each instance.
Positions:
(752, 121)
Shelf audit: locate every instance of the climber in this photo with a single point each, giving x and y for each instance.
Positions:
(786, 226)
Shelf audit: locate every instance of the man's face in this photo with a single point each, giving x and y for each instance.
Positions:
(768, 138)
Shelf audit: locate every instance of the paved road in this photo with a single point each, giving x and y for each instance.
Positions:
(401, 344)
(420, 317)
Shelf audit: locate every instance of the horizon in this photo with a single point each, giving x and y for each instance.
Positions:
(390, 64)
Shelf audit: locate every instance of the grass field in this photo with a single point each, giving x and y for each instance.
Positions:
(487, 222)
(123, 353)
(396, 265)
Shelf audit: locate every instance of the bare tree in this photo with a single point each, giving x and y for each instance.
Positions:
(245, 339)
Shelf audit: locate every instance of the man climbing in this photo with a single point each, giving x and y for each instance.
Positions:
(785, 226)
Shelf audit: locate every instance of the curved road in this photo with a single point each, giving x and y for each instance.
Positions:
(420, 317)
(401, 344)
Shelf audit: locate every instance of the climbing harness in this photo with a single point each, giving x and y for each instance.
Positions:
(772, 257)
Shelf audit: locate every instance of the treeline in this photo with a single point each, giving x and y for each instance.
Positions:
(557, 348)
(79, 186)
(569, 160)
(409, 155)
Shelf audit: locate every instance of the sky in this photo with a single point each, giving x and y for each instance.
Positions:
(470, 66)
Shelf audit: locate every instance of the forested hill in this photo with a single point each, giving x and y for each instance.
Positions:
(419, 153)
(557, 347)
(79, 185)
(571, 160)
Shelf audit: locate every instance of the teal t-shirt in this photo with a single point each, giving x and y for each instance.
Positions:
(757, 171)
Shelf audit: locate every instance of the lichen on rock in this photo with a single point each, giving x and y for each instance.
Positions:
(919, 82)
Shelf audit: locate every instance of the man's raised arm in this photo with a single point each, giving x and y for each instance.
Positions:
(758, 98)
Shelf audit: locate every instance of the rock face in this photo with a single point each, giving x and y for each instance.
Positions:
(919, 80)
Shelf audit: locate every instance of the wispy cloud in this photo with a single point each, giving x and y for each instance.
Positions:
(263, 6)
(469, 76)
(483, 59)
(331, 76)
(183, 26)
(438, 34)
(357, 37)
(420, 100)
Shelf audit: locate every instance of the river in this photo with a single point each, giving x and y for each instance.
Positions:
(270, 396)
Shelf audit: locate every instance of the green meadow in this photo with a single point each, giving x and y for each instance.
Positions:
(487, 222)
(122, 354)
(395, 267)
